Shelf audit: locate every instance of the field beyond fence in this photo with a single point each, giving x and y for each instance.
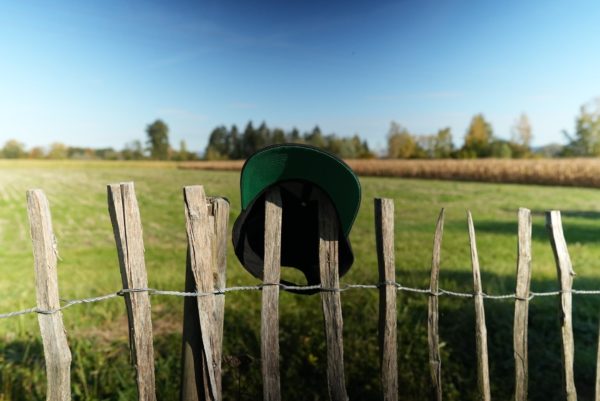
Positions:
(202, 350)
(577, 172)
(97, 332)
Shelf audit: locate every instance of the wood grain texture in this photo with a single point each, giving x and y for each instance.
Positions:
(522, 304)
(194, 383)
(127, 228)
(220, 217)
(56, 349)
(433, 337)
(202, 260)
(565, 277)
(483, 373)
(388, 320)
(270, 297)
(332, 306)
(193, 386)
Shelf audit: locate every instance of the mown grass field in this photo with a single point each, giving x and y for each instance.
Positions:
(98, 334)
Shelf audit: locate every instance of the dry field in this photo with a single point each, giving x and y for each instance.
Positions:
(565, 172)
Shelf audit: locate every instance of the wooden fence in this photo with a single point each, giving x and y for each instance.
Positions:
(207, 233)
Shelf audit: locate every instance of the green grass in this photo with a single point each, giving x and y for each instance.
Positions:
(98, 334)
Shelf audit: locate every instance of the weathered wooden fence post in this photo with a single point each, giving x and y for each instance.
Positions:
(433, 336)
(127, 228)
(56, 350)
(483, 372)
(388, 318)
(219, 216)
(194, 383)
(202, 258)
(522, 305)
(332, 305)
(565, 277)
(269, 332)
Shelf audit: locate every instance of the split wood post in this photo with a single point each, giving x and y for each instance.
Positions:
(522, 305)
(269, 332)
(202, 258)
(192, 363)
(330, 298)
(565, 277)
(219, 215)
(54, 338)
(193, 370)
(435, 361)
(127, 228)
(483, 373)
(388, 319)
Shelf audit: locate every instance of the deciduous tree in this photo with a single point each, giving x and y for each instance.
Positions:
(521, 131)
(586, 139)
(478, 138)
(401, 144)
(13, 149)
(158, 140)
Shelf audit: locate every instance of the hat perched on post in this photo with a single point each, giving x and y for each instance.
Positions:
(303, 174)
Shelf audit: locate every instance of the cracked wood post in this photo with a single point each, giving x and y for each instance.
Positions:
(201, 256)
(127, 229)
(483, 373)
(56, 349)
(269, 332)
(219, 215)
(435, 361)
(332, 306)
(194, 383)
(522, 304)
(388, 320)
(565, 278)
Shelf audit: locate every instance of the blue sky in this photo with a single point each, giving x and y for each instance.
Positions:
(96, 73)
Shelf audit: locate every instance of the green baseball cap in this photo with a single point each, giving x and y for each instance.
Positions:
(304, 175)
(290, 162)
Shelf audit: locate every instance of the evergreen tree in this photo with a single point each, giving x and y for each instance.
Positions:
(278, 136)
(295, 136)
(248, 141)
(234, 144)
(217, 147)
(263, 136)
(315, 138)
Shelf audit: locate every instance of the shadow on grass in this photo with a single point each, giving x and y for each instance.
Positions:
(457, 334)
(103, 372)
(574, 232)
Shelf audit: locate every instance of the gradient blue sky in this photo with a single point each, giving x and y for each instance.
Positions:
(96, 73)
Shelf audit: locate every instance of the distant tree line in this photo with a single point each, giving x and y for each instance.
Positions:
(479, 142)
(229, 143)
(157, 148)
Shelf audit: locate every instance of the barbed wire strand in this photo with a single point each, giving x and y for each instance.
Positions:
(295, 288)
